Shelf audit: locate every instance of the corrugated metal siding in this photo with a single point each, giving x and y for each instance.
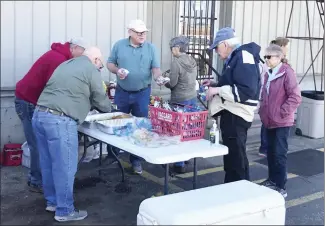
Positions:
(262, 21)
(29, 27)
(162, 21)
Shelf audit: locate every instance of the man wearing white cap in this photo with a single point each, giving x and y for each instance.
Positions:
(75, 86)
(134, 60)
(28, 90)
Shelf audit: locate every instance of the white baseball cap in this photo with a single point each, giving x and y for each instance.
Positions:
(80, 42)
(138, 26)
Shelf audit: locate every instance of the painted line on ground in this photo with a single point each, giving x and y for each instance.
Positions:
(202, 172)
(157, 180)
(174, 188)
(289, 176)
(304, 199)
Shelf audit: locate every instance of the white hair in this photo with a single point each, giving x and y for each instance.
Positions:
(274, 49)
(232, 42)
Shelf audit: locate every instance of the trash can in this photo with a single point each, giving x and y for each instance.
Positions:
(310, 114)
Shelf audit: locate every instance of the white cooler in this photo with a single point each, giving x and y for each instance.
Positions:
(237, 203)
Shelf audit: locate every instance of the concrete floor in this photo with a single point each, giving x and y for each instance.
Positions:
(305, 201)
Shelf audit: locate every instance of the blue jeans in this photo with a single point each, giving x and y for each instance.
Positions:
(277, 155)
(25, 111)
(263, 147)
(134, 103)
(191, 102)
(57, 140)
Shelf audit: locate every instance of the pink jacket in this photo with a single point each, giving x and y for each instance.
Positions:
(279, 105)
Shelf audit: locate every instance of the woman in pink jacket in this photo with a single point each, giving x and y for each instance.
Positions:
(279, 100)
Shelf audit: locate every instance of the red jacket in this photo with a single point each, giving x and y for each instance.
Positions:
(279, 105)
(30, 87)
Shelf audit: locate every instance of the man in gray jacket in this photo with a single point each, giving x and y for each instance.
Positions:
(75, 86)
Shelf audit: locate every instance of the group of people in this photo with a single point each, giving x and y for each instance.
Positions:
(61, 87)
(245, 84)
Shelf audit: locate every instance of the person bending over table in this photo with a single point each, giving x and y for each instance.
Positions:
(235, 98)
(67, 98)
(182, 75)
(133, 90)
(28, 90)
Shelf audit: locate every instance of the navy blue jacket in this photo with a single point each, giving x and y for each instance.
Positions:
(242, 73)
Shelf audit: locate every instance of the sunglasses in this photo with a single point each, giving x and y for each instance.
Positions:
(269, 56)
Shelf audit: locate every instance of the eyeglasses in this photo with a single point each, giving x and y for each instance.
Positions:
(269, 56)
(139, 33)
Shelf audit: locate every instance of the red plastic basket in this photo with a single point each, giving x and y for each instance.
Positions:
(189, 125)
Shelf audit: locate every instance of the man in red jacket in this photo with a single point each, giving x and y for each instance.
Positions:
(28, 90)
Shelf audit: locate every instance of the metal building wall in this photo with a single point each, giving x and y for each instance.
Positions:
(262, 21)
(29, 27)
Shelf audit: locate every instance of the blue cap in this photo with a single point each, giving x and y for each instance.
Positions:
(223, 34)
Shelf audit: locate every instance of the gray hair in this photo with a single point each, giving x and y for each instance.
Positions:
(232, 42)
(274, 50)
(181, 41)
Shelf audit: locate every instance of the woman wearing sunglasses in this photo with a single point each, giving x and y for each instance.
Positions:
(284, 44)
(279, 100)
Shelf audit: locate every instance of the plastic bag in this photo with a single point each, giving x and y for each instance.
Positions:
(145, 138)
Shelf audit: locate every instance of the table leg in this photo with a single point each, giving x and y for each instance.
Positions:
(118, 161)
(166, 179)
(100, 153)
(100, 158)
(195, 174)
(85, 149)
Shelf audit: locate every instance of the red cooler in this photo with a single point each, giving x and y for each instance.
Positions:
(11, 155)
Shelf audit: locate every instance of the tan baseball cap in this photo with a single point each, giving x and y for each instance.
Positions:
(80, 41)
(138, 26)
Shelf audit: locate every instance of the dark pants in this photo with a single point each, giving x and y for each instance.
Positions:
(234, 136)
(263, 147)
(277, 155)
(134, 103)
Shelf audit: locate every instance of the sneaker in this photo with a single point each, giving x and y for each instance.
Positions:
(179, 169)
(283, 192)
(268, 183)
(35, 188)
(137, 168)
(76, 215)
(50, 209)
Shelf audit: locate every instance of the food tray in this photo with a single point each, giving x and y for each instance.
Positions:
(91, 119)
(104, 116)
(108, 126)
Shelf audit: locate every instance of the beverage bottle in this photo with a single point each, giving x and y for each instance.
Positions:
(214, 134)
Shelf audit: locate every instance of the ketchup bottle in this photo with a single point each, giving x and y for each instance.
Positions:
(111, 90)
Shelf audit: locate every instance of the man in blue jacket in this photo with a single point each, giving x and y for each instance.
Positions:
(235, 98)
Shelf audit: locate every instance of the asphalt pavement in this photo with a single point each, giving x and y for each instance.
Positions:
(108, 203)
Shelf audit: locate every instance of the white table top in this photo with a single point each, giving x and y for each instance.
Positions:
(163, 155)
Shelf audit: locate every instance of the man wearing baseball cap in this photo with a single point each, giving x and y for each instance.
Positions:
(28, 90)
(235, 98)
(134, 60)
